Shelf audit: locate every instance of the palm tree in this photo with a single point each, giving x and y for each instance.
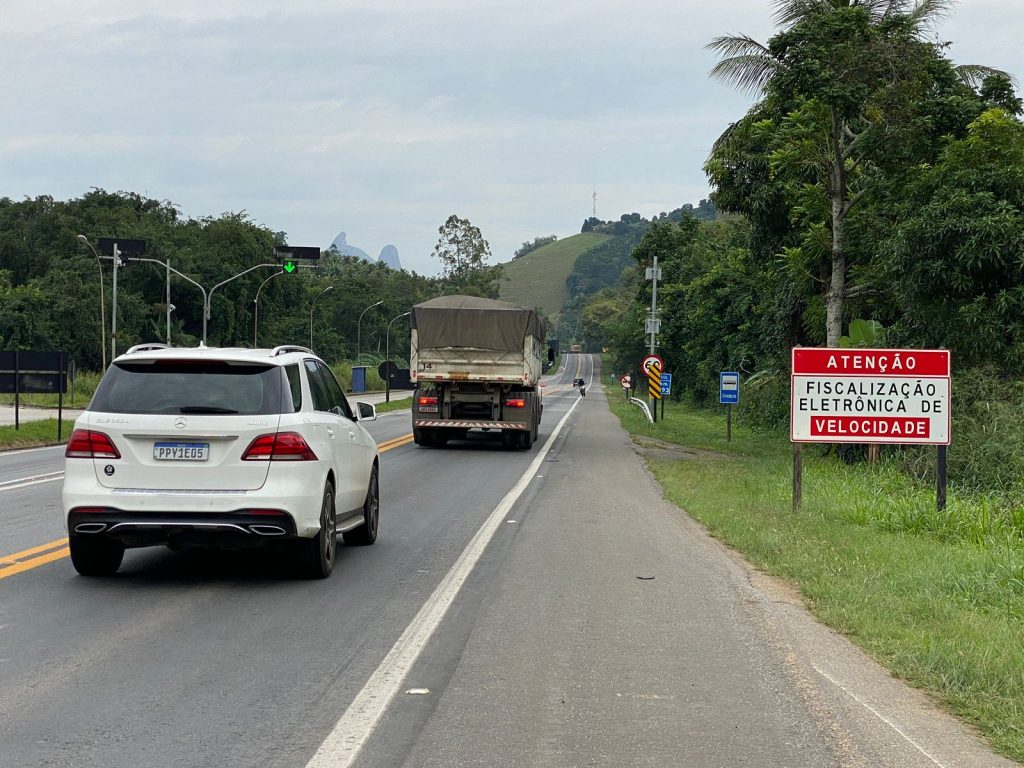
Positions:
(752, 66)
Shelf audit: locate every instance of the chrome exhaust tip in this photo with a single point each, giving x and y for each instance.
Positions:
(268, 530)
(90, 527)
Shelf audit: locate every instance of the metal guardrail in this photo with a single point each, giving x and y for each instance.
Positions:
(647, 411)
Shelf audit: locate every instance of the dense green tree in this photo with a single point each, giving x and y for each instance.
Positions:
(50, 282)
(842, 72)
(953, 270)
(463, 254)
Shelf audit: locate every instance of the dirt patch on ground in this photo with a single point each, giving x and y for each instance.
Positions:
(652, 448)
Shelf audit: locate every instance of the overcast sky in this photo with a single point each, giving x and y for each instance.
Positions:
(381, 118)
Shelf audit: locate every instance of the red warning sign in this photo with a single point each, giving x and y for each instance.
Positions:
(897, 396)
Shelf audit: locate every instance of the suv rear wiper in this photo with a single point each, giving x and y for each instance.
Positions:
(204, 409)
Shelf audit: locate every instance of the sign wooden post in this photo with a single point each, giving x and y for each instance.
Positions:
(798, 475)
(940, 478)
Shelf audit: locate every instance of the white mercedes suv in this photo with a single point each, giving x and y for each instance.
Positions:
(226, 448)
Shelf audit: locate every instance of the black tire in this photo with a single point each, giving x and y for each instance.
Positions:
(509, 439)
(526, 439)
(94, 555)
(440, 437)
(428, 438)
(366, 533)
(316, 556)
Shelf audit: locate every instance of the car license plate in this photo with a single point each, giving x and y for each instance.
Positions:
(181, 451)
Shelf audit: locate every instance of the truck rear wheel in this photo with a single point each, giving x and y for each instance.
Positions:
(509, 439)
(421, 437)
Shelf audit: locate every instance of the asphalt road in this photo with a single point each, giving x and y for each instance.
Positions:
(596, 626)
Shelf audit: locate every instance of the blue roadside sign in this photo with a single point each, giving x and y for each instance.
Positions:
(666, 383)
(728, 387)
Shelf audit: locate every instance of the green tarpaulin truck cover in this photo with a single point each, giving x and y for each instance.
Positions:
(470, 321)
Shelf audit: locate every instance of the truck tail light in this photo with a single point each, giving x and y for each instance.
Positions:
(427, 403)
(515, 403)
(86, 444)
(281, 446)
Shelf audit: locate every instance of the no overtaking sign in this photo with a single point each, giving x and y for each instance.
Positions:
(897, 396)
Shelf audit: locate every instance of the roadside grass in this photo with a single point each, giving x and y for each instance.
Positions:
(404, 403)
(938, 598)
(33, 434)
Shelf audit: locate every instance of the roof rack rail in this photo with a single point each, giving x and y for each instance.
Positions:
(146, 347)
(286, 348)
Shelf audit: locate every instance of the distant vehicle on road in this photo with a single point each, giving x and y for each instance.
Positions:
(575, 348)
(227, 448)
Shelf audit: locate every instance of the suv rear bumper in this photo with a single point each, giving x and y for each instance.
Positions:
(239, 529)
(295, 489)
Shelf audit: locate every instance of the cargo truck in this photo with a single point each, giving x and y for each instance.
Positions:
(476, 364)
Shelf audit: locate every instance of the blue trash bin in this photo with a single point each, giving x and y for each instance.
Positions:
(358, 379)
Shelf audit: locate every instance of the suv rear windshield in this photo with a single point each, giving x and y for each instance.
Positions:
(185, 386)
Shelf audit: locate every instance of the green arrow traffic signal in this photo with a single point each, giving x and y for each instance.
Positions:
(289, 266)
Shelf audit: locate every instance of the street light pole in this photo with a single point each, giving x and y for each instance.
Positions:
(325, 290)
(209, 296)
(168, 269)
(359, 326)
(256, 310)
(103, 309)
(387, 358)
(168, 286)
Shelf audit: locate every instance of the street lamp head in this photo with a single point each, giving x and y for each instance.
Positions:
(83, 238)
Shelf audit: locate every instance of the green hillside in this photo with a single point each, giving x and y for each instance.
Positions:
(538, 278)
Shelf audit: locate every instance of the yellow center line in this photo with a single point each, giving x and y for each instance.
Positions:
(17, 557)
(396, 442)
(34, 557)
(35, 562)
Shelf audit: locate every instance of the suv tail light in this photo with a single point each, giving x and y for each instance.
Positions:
(515, 402)
(86, 444)
(282, 446)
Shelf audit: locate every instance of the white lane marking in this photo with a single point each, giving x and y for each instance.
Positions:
(20, 451)
(879, 715)
(351, 732)
(25, 482)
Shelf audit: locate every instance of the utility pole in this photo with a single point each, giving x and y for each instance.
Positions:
(118, 248)
(653, 326)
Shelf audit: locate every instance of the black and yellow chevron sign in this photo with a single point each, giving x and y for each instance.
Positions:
(653, 372)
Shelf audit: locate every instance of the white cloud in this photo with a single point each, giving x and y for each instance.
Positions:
(382, 118)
